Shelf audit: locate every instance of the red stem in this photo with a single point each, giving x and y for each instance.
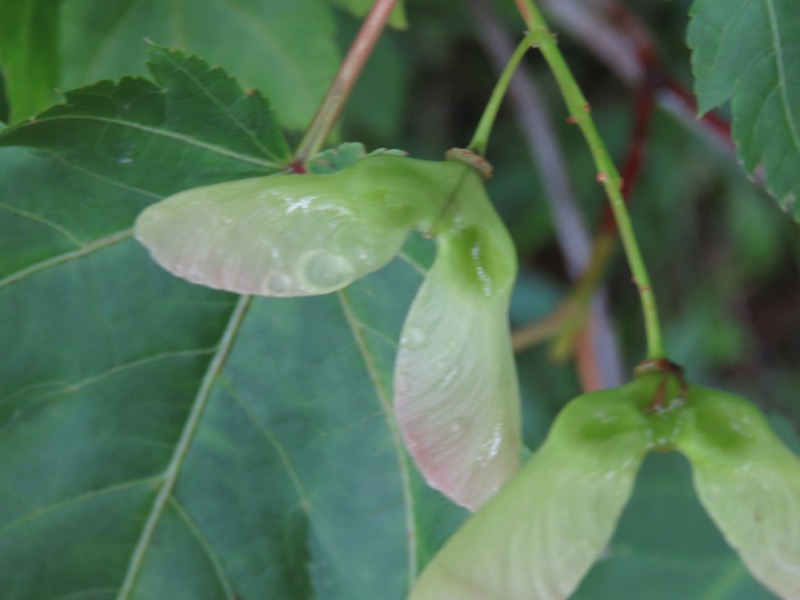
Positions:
(331, 107)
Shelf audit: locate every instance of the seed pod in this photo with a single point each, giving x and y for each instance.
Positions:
(296, 235)
(289, 235)
(456, 393)
(539, 536)
(749, 483)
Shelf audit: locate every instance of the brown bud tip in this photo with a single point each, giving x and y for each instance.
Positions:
(476, 161)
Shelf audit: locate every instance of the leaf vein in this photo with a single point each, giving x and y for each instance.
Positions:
(42, 511)
(205, 544)
(40, 219)
(275, 443)
(59, 259)
(414, 264)
(174, 135)
(397, 442)
(176, 462)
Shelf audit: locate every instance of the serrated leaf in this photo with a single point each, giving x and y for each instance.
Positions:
(748, 51)
(29, 58)
(537, 538)
(165, 440)
(750, 484)
(286, 50)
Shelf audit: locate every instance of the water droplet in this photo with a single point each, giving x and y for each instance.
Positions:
(487, 285)
(125, 160)
(322, 271)
(448, 379)
(414, 337)
(670, 405)
(457, 426)
(294, 204)
(454, 431)
(602, 416)
(491, 446)
(277, 284)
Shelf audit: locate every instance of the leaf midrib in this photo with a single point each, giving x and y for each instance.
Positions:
(182, 447)
(166, 133)
(65, 257)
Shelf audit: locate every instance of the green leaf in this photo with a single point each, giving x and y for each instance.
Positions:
(164, 440)
(112, 143)
(537, 538)
(456, 387)
(750, 484)
(285, 50)
(29, 53)
(748, 51)
(290, 235)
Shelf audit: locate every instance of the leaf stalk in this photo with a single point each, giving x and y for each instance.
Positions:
(607, 174)
(330, 109)
(480, 139)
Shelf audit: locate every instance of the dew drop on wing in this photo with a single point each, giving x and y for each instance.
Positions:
(491, 447)
(414, 337)
(277, 284)
(322, 271)
(447, 381)
(457, 427)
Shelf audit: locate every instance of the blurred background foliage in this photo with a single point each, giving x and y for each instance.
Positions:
(722, 255)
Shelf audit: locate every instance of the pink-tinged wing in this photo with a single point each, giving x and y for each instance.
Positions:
(542, 532)
(456, 393)
(284, 235)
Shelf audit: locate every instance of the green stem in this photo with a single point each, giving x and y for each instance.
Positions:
(481, 137)
(606, 171)
(331, 107)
